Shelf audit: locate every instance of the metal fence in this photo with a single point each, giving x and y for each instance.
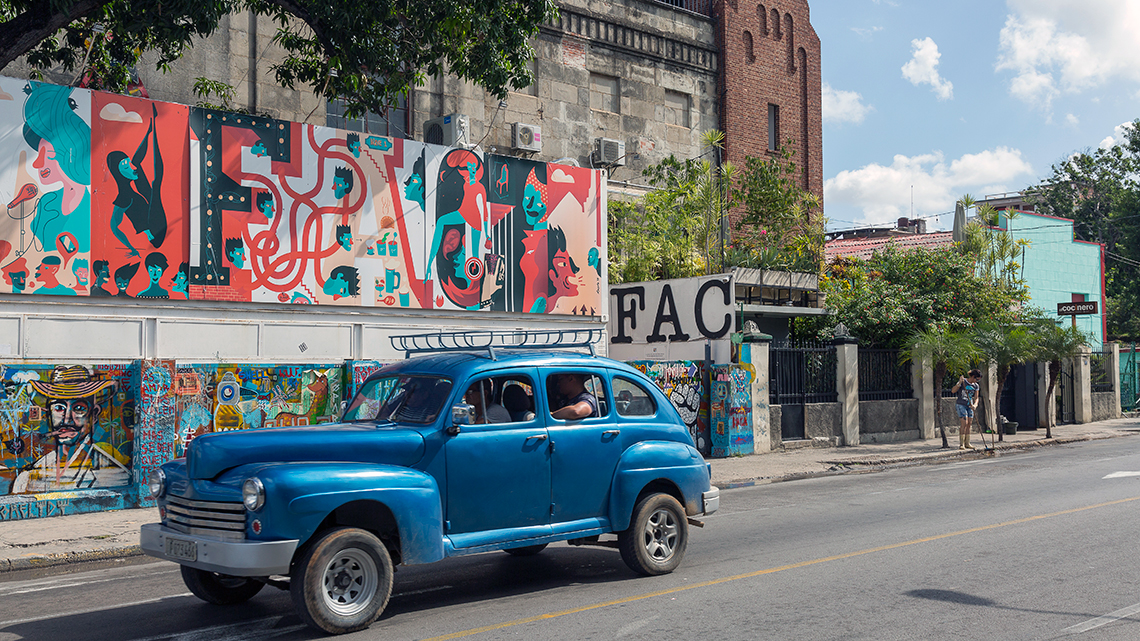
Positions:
(882, 377)
(701, 7)
(801, 373)
(1129, 381)
(1100, 364)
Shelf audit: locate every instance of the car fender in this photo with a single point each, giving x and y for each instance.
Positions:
(299, 497)
(675, 463)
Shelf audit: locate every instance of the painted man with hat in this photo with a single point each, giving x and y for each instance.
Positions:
(81, 458)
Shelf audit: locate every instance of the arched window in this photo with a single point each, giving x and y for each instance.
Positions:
(749, 54)
(762, 13)
(776, 25)
(790, 31)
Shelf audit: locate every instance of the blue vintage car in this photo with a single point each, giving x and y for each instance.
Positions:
(440, 455)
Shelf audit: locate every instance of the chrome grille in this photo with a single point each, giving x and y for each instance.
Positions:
(224, 521)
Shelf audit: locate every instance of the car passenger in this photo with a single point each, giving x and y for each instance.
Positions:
(572, 399)
(480, 396)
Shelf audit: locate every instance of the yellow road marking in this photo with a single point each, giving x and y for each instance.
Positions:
(782, 568)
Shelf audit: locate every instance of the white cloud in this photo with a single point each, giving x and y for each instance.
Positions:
(923, 68)
(1068, 46)
(866, 32)
(115, 112)
(843, 106)
(884, 192)
(1072, 120)
(1117, 136)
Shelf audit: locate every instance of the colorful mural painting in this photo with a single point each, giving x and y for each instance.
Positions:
(731, 410)
(111, 195)
(141, 198)
(66, 427)
(45, 183)
(297, 213)
(684, 383)
(216, 398)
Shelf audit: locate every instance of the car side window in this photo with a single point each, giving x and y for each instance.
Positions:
(631, 399)
(501, 399)
(576, 395)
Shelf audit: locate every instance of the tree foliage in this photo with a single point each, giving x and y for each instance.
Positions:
(896, 293)
(1003, 345)
(1100, 191)
(948, 351)
(1054, 344)
(367, 53)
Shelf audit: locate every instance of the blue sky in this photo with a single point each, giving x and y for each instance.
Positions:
(972, 96)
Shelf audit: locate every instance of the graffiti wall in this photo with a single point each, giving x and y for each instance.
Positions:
(66, 427)
(684, 383)
(304, 214)
(110, 195)
(217, 398)
(731, 410)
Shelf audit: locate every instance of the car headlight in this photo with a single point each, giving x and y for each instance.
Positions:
(157, 483)
(253, 494)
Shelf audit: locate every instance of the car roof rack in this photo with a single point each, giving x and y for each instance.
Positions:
(490, 340)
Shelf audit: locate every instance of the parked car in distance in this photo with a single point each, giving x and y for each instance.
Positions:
(441, 455)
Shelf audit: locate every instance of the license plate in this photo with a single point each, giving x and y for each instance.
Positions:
(179, 549)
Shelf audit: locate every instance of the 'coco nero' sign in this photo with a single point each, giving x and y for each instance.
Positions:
(671, 310)
(1074, 309)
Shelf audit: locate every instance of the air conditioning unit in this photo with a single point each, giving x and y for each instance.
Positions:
(526, 137)
(609, 152)
(451, 130)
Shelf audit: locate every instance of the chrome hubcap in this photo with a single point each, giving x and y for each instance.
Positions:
(350, 581)
(661, 531)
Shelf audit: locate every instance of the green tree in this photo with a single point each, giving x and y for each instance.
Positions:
(781, 226)
(1100, 191)
(366, 53)
(672, 232)
(949, 351)
(1054, 344)
(1002, 345)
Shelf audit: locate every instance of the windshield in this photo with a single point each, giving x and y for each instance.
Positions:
(401, 399)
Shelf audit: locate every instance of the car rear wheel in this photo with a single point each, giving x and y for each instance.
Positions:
(657, 535)
(529, 550)
(343, 581)
(220, 589)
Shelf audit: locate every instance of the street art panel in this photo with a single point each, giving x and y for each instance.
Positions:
(684, 383)
(45, 187)
(66, 427)
(297, 213)
(218, 398)
(156, 433)
(731, 410)
(140, 200)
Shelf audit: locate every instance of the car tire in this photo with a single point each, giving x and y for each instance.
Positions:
(529, 550)
(220, 589)
(343, 580)
(658, 533)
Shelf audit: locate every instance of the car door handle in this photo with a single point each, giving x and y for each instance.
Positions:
(611, 432)
(537, 437)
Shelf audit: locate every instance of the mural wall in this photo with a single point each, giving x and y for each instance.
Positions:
(731, 410)
(684, 383)
(110, 195)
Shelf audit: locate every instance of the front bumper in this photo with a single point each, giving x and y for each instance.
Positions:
(711, 499)
(235, 558)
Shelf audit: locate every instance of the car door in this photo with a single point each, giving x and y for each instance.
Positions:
(584, 455)
(498, 474)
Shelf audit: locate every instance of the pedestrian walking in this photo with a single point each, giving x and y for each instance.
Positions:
(967, 401)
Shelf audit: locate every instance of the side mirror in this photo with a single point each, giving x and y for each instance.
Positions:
(461, 414)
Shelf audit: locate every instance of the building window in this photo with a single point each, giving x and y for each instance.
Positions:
(773, 127)
(604, 93)
(394, 123)
(677, 106)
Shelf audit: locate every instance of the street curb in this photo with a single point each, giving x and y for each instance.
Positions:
(867, 466)
(32, 561)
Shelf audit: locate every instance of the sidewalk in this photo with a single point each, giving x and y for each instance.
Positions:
(108, 535)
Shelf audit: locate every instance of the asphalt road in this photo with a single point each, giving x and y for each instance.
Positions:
(1037, 545)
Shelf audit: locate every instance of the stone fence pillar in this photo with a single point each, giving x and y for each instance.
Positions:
(1114, 375)
(929, 394)
(754, 351)
(847, 386)
(1082, 387)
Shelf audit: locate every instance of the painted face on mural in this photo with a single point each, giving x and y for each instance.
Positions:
(46, 271)
(49, 169)
(71, 419)
(180, 282)
(126, 170)
(237, 257)
(81, 276)
(17, 279)
(337, 287)
(562, 274)
(155, 273)
(414, 189)
(533, 206)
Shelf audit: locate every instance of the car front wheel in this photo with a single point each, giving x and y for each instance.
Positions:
(657, 535)
(220, 589)
(343, 581)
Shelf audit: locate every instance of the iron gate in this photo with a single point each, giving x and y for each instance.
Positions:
(799, 374)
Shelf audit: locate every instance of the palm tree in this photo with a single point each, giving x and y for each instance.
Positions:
(1003, 346)
(948, 351)
(1054, 344)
